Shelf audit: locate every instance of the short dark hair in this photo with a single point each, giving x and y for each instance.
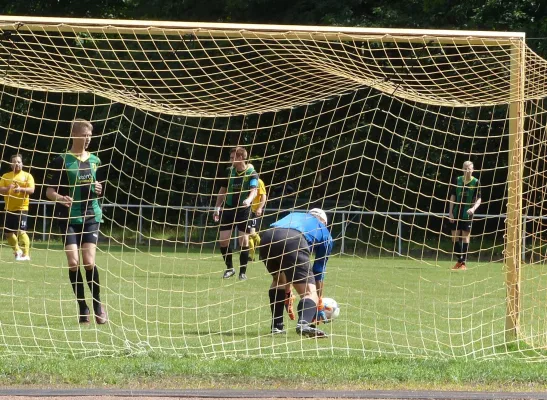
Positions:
(240, 152)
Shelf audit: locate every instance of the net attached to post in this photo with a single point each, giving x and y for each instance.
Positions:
(371, 126)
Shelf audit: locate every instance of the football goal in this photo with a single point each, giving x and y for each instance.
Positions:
(375, 126)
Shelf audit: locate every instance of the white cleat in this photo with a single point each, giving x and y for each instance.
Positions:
(22, 258)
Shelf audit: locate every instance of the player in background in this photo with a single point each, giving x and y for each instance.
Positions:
(17, 186)
(73, 184)
(238, 189)
(286, 250)
(257, 209)
(465, 199)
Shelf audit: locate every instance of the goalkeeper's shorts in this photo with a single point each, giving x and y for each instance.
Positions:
(286, 250)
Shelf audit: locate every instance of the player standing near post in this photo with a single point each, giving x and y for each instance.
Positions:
(286, 249)
(465, 198)
(237, 191)
(73, 184)
(17, 186)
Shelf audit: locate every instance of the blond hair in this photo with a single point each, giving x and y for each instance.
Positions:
(79, 124)
(467, 164)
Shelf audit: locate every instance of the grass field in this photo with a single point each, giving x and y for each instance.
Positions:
(176, 303)
(404, 323)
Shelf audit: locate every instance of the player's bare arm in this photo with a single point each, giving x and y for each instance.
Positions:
(52, 195)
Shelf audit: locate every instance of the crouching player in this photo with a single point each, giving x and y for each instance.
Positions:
(285, 250)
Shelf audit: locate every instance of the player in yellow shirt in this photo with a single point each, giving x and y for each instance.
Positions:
(257, 209)
(17, 186)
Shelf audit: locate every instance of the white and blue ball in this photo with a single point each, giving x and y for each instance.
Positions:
(332, 311)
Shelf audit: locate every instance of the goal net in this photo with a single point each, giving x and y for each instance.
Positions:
(373, 126)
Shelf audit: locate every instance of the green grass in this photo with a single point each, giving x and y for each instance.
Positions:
(171, 313)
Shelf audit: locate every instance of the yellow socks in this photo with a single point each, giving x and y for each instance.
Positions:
(25, 243)
(13, 242)
(251, 248)
(254, 242)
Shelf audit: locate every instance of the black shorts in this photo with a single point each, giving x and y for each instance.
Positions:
(230, 218)
(286, 250)
(16, 221)
(461, 225)
(79, 233)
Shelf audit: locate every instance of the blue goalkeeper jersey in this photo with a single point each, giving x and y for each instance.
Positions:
(316, 234)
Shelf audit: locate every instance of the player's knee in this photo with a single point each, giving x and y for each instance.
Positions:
(73, 265)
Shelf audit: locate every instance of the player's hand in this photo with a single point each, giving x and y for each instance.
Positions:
(258, 212)
(246, 203)
(321, 316)
(98, 188)
(451, 218)
(65, 201)
(216, 214)
(289, 304)
(470, 212)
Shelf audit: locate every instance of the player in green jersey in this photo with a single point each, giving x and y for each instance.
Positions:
(465, 198)
(72, 182)
(238, 188)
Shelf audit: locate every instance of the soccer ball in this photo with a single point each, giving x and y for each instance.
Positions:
(332, 311)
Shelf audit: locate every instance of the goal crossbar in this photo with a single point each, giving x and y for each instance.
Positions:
(230, 30)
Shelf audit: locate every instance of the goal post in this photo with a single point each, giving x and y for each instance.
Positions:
(370, 124)
(514, 201)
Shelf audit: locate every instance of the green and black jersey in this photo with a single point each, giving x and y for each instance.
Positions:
(73, 176)
(238, 185)
(466, 195)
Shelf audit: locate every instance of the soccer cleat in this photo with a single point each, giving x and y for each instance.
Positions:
(289, 305)
(84, 316)
(18, 254)
(228, 273)
(100, 316)
(22, 258)
(463, 267)
(305, 329)
(279, 330)
(457, 266)
(242, 277)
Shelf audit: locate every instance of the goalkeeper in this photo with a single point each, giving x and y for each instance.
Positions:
(285, 250)
(257, 209)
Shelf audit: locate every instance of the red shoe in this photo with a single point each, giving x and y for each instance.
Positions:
(457, 266)
(463, 267)
(101, 317)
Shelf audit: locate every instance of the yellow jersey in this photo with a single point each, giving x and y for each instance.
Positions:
(17, 201)
(259, 192)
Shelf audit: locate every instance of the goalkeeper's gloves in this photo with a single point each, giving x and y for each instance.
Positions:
(321, 316)
(289, 304)
(246, 203)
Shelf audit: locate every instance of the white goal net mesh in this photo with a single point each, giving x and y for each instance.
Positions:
(371, 128)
